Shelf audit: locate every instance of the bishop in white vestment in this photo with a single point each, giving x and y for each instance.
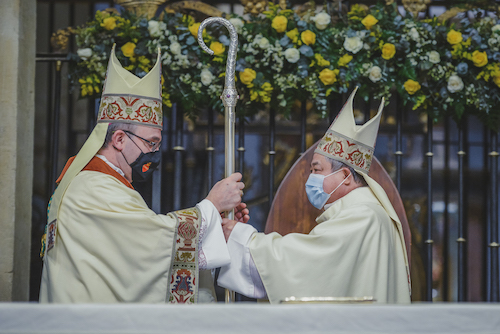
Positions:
(103, 244)
(356, 250)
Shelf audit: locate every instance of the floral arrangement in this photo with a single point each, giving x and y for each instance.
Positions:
(284, 56)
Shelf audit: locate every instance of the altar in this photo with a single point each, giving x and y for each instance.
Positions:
(220, 318)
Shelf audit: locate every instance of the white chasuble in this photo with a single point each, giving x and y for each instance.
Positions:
(112, 248)
(354, 251)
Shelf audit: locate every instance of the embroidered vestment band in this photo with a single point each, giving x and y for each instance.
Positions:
(131, 108)
(184, 273)
(353, 153)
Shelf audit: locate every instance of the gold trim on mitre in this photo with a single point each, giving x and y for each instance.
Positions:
(130, 99)
(350, 143)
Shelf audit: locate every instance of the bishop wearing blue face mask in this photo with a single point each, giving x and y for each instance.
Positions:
(357, 248)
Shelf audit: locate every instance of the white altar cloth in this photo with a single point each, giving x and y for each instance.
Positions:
(219, 318)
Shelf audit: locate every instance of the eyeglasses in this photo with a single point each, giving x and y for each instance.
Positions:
(154, 146)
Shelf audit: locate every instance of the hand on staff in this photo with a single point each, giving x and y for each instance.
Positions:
(226, 194)
(241, 213)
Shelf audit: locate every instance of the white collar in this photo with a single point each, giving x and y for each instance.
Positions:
(103, 158)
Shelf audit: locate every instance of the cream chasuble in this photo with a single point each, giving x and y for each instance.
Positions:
(354, 251)
(112, 248)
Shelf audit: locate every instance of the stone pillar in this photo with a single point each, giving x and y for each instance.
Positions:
(17, 114)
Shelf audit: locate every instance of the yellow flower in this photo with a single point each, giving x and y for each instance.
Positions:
(267, 87)
(143, 60)
(479, 58)
(253, 95)
(87, 90)
(293, 35)
(262, 95)
(369, 21)
(194, 29)
(412, 86)
(247, 76)
(279, 23)
(166, 99)
(321, 61)
(328, 77)
(128, 49)
(454, 37)
(344, 60)
(308, 37)
(388, 51)
(217, 47)
(496, 80)
(357, 10)
(109, 23)
(188, 19)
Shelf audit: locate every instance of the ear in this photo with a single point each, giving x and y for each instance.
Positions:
(348, 178)
(118, 139)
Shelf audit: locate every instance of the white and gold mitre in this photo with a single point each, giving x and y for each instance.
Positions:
(128, 98)
(350, 143)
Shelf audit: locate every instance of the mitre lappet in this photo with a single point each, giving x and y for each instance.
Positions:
(125, 98)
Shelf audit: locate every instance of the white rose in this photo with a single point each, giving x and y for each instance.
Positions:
(496, 27)
(455, 84)
(292, 55)
(322, 20)
(175, 48)
(263, 43)
(414, 34)
(206, 77)
(237, 23)
(353, 44)
(154, 28)
(375, 74)
(434, 57)
(84, 53)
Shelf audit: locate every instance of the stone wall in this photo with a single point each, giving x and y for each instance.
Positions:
(17, 74)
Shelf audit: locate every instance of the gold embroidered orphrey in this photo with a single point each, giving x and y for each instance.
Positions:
(184, 271)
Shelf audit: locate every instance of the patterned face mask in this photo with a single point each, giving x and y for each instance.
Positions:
(314, 189)
(145, 164)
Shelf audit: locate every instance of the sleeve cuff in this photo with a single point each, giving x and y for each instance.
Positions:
(213, 243)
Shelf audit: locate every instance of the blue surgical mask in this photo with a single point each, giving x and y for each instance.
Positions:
(315, 192)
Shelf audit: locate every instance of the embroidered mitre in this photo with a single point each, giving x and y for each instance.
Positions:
(128, 98)
(350, 143)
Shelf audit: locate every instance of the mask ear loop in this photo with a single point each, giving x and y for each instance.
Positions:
(341, 183)
(122, 150)
(336, 188)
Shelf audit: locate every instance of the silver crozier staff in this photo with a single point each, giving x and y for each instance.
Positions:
(229, 97)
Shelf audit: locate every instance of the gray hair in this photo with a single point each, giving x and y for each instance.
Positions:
(113, 127)
(336, 165)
